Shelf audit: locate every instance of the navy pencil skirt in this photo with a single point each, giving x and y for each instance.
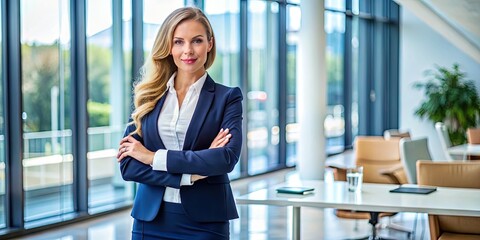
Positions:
(172, 223)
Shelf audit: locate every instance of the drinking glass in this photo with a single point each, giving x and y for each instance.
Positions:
(355, 179)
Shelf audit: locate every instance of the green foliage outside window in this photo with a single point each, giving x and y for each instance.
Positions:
(98, 114)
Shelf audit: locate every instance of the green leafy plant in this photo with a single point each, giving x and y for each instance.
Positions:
(450, 99)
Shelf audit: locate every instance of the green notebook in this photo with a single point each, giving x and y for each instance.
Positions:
(295, 190)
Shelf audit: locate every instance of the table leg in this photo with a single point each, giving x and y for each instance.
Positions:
(296, 223)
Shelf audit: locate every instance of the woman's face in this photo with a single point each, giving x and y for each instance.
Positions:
(190, 47)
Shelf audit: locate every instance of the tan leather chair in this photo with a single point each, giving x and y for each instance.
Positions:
(380, 159)
(451, 174)
(392, 133)
(473, 135)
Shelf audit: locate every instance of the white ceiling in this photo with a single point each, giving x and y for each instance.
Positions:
(461, 14)
(458, 21)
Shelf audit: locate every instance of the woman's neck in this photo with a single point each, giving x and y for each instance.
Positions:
(183, 81)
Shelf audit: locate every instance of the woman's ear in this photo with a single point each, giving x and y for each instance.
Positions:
(210, 44)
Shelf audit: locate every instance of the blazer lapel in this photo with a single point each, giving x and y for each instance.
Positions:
(152, 123)
(204, 102)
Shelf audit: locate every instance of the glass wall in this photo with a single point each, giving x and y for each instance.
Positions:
(293, 26)
(108, 45)
(2, 136)
(47, 158)
(224, 16)
(263, 85)
(154, 13)
(335, 51)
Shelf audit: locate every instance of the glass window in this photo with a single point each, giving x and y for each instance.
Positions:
(154, 13)
(335, 51)
(108, 89)
(262, 93)
(47, 158)
(293, 26)
(335, 5)
(2, 138)
(224, 16)
(355, 72)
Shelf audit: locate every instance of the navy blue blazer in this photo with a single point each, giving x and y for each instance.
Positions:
(209, 199)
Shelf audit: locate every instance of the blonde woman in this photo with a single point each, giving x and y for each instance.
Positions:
(185, 137)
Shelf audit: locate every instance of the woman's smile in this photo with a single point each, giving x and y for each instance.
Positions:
(189, 60)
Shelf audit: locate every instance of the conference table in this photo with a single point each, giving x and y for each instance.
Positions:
(372, 198)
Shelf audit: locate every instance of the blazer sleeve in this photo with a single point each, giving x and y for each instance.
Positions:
(215, 161)
(134, 170)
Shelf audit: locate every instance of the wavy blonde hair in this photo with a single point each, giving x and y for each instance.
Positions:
(159, 66)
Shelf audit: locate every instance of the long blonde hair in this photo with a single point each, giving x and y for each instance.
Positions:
(159, 66)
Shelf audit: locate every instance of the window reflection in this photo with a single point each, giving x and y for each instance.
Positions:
(262, 93)
(47, 158)
(225, 20)
(109, 77)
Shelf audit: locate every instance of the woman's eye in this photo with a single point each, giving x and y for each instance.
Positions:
(177, 42)
(197, 41)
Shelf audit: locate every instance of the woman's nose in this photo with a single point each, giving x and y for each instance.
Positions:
(187, 49)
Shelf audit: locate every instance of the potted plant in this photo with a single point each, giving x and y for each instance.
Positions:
(450, 99)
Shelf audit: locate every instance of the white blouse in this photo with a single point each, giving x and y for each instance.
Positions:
(172, 127)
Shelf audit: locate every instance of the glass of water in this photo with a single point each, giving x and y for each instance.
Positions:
(355, 179)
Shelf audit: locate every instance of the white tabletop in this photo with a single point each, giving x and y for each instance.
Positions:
(374, 197)
(465, 149)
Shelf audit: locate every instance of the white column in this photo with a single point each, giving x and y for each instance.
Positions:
(311, 90)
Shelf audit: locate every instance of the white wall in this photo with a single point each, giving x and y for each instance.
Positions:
(420, 49)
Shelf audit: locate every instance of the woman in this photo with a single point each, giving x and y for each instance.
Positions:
(184, 138)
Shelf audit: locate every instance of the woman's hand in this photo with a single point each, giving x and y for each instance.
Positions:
(220, 140)
(129, 146)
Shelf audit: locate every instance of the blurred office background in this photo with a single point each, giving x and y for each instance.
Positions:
(67, 69)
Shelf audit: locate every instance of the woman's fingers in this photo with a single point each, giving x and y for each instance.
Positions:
(129, 139)
(220, 135)
(220, 138)
(122, 151)
(126, 144)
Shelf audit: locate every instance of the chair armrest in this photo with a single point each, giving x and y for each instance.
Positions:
(339, 172)
(396, 174)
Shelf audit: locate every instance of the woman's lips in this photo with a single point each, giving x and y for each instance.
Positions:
(189, 61)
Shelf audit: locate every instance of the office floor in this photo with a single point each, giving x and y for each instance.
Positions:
(256, 222)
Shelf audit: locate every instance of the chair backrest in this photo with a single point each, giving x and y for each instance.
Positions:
(376, 154)
(391, 133)
(473, 135)
(412, 150)
(445, 142)
(450, 174)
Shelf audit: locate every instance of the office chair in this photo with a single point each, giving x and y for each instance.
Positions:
(377, 155)
(473, 137)
(451, 174)
(445, 142)
(412, 150)
(392, 133)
